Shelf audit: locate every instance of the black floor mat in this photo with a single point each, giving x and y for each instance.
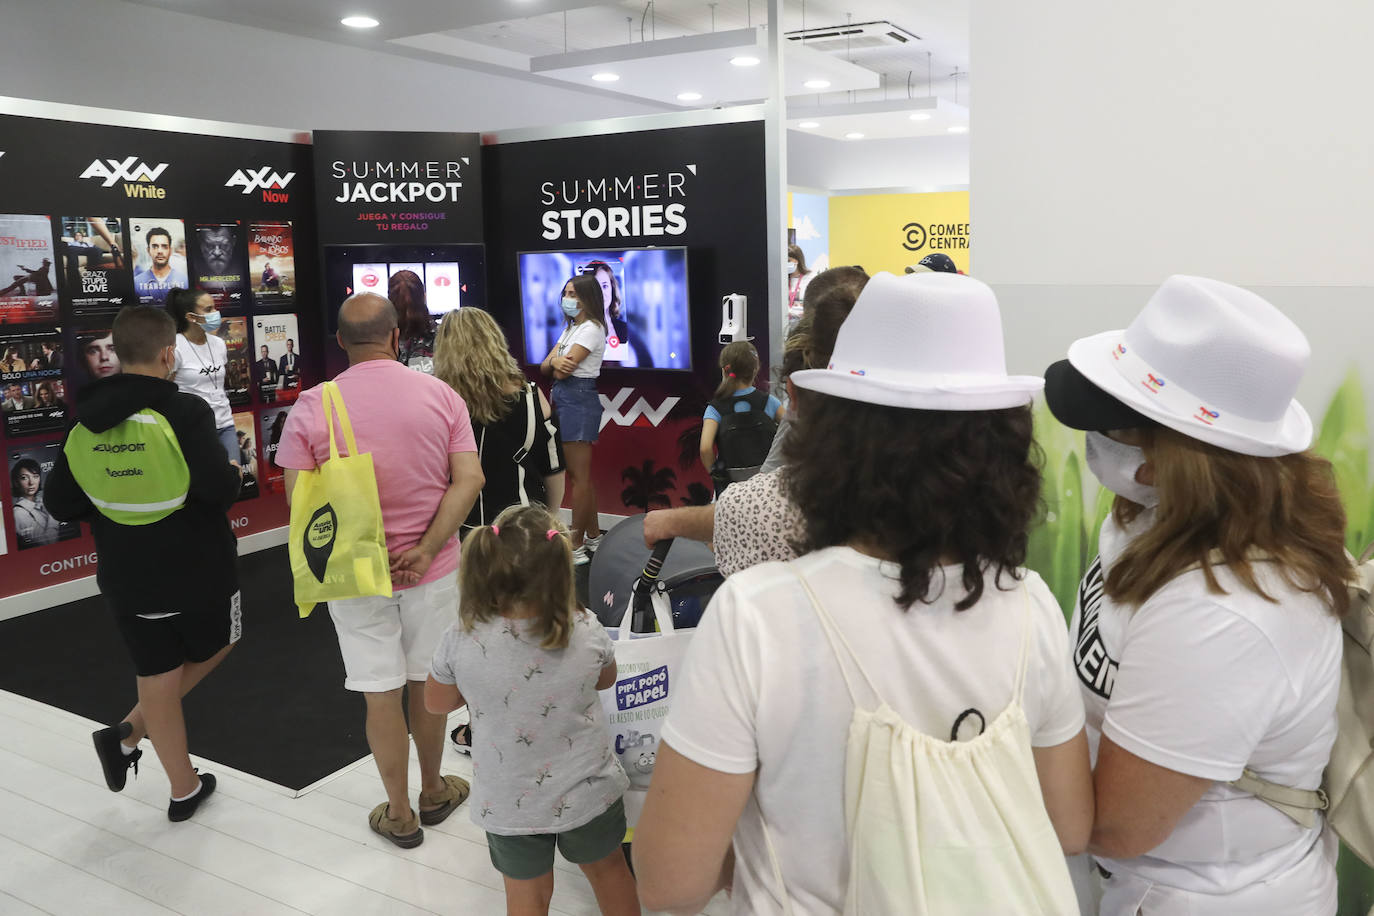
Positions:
(275, 708)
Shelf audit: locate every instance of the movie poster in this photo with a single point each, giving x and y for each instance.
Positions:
(277, 369)
(271, 263)
(28, 274)
(271, 423)
(248, 453)
(31, 382)
(95, 271)
(93, 356)
(159, 248)
(33, 526)
(221, 268)
(237, 377)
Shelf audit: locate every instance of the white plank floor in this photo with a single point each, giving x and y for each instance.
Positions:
(70, 846)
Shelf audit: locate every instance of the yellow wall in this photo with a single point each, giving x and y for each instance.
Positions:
(890, 231)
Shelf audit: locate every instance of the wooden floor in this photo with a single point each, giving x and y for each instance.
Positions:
(70, 846)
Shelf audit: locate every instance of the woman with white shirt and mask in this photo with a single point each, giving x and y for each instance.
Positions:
(1207, 637)
(202, 358)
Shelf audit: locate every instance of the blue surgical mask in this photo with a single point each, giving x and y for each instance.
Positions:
(570, 307)
(210, 321)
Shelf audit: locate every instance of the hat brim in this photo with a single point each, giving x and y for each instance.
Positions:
(1092, 356)
(1079, 404)
(932, 392)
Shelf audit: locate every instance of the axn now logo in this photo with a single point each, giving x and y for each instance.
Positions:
(139, 177)
(640, 413)
(268, 180)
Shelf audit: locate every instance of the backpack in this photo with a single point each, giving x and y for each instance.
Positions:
(744, 437)
(1347, 792)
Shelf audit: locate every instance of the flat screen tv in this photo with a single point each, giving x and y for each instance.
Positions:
(451, 276)
(645, 289)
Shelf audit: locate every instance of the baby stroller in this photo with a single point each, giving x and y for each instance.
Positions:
(621, 581)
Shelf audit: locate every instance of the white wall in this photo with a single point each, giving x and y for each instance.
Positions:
(918, 163)
(125, 56)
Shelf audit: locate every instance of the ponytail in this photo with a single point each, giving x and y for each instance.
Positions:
(522, 561)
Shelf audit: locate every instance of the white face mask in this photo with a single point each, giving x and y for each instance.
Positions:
(1115, 464)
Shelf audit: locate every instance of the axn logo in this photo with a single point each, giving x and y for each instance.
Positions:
(638, 414)
(270, 182)
(138, 176)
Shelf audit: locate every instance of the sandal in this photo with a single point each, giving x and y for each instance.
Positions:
(446, 800)
(404, 833)
(462, 738)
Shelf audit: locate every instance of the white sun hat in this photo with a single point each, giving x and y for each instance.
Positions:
(931, 341)
(1213, 361)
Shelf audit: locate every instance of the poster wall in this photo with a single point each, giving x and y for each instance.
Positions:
(892, 231)
(94, 218)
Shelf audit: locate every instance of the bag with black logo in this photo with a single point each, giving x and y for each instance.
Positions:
(744, 437)
(337, 545)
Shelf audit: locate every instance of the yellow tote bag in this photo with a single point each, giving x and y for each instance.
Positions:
(338, 547)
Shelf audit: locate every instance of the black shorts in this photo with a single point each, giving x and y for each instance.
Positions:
(162, 642)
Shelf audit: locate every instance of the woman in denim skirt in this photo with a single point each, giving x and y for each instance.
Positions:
(574, 363)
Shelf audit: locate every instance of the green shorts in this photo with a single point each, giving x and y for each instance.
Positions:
(530, 855)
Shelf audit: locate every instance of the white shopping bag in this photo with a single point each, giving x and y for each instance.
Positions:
(648, 665)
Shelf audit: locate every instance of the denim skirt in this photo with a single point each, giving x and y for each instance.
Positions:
(577, 408)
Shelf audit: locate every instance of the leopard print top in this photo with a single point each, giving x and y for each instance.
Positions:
(754, 522)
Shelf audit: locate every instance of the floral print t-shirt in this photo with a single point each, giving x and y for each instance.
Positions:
(541, 754)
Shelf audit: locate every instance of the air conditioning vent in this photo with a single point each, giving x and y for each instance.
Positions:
(854, 36)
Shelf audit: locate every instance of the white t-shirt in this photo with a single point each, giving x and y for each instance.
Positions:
(1207, 684)
(590, 335)
(762, 691)
(200, 371)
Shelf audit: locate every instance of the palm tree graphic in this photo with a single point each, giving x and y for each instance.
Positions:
(648, 486)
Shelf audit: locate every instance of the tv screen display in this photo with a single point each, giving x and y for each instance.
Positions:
(645, 291)
(449, 276)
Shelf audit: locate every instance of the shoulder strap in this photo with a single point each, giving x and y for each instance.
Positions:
(530, 397)
(836, 640)
(773, 856)
(1301, 805)
(330, 395)
(758, 399)
(1027, 629)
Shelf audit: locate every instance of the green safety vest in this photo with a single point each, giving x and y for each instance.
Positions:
(134, 473)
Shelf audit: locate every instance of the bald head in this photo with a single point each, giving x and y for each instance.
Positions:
(366, 321)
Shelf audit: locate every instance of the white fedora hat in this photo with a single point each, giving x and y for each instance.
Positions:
(931, 341)
(1208, 359)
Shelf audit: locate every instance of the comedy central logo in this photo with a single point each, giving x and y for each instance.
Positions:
(318, 541)
(138, 176)
(915, 236)
(266, 179)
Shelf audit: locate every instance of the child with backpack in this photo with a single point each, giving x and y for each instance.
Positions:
(528, 662)
(740, 421)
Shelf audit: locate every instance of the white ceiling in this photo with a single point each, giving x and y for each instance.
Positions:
(506, 35)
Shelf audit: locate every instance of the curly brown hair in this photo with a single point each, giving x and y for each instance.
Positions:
(920, 487)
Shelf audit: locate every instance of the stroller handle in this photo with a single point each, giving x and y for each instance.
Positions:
(641, 603)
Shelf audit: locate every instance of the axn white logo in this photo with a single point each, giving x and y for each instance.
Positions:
(265, 179)
(639, 413)
(130, 169)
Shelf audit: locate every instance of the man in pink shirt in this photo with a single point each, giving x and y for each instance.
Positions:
(428, 475)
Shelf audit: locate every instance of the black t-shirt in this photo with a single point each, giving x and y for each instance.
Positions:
(514, 476)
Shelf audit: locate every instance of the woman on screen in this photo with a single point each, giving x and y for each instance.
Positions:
(33, 526)
(575, 364)
(406, 291)
(619, 348)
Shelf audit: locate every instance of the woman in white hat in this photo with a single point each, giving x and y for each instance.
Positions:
(1207, 639)
(907, 624)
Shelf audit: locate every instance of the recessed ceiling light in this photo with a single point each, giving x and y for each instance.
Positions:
(853, 135)
(360, 22)
(689, 96)
(959, 129)
(920, 116)
(809, 125)
(745, 61)
(817, 84)
(605, 77)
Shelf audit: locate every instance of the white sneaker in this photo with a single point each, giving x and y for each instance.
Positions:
(593, 544)
(581, 556)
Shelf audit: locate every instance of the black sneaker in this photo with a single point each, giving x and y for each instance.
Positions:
(113, 760)
(182, 810)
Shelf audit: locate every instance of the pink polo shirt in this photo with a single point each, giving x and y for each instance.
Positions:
(411, 423)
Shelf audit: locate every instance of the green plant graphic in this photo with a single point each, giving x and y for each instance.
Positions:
(1062, 546)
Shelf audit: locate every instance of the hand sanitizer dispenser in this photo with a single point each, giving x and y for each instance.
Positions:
(734, 318)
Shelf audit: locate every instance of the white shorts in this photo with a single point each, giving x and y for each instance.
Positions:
(388, 641)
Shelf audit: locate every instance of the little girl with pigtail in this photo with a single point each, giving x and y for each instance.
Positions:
(527, 661)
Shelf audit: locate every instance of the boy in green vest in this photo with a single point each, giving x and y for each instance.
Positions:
(145, 467)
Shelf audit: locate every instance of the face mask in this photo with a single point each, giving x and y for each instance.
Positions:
(172, 367)
(1114, 464)
(791, 267)
(210, 321)
(570, 307)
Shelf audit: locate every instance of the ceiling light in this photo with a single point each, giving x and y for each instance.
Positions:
(853, 135)
(959, 129)
(809, 125)
(360, 22)
(920, 116)
(817, 84)
(689, 96)
(745, 61)
(605, 77)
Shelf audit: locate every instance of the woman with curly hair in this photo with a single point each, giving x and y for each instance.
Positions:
(908, 621)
